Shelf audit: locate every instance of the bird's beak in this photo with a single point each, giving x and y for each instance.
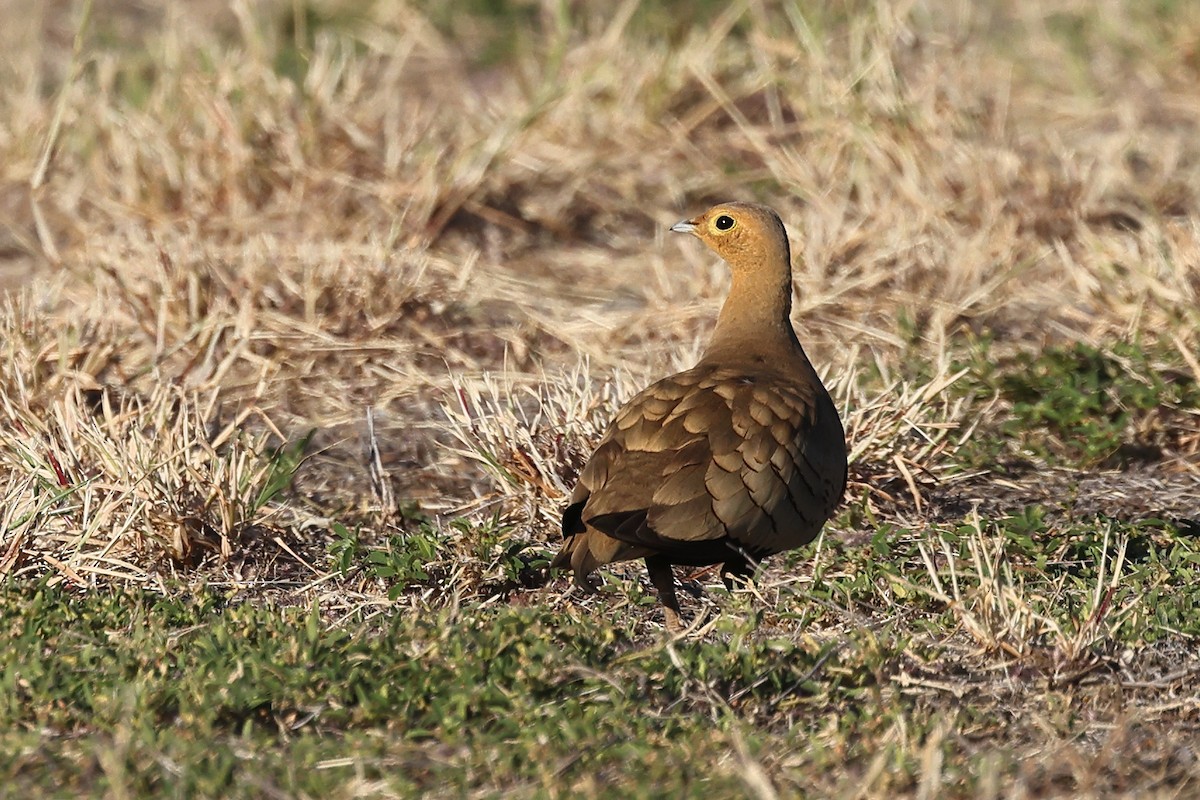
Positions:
(686, 226)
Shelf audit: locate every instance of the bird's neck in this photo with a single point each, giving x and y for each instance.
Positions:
(755, 320)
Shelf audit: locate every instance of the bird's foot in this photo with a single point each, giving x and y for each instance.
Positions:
(673, 621)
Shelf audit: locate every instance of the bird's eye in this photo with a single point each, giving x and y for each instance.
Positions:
(724, 222)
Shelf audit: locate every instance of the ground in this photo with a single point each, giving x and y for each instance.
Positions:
(313, 310)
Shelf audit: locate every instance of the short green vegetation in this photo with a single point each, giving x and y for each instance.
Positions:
(198, 692)
(1080, 404)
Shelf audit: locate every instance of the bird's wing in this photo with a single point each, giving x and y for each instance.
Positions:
(711, 455)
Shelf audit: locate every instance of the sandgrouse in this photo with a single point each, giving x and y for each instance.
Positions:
(736, 459)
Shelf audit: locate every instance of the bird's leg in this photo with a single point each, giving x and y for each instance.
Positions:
(739, 567)
(664, 583)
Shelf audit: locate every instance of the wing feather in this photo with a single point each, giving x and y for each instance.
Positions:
(713, 456)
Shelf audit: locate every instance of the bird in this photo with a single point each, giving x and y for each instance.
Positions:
(738, 458)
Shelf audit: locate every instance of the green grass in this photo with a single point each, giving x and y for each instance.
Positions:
(1078, 405)
(230, 692)
(1084, 405)
(198, 692)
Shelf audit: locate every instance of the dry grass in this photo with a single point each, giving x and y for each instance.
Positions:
(223, 227)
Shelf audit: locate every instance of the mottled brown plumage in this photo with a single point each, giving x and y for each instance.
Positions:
(736, 459)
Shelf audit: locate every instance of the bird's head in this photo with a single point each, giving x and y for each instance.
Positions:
(746, 235)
